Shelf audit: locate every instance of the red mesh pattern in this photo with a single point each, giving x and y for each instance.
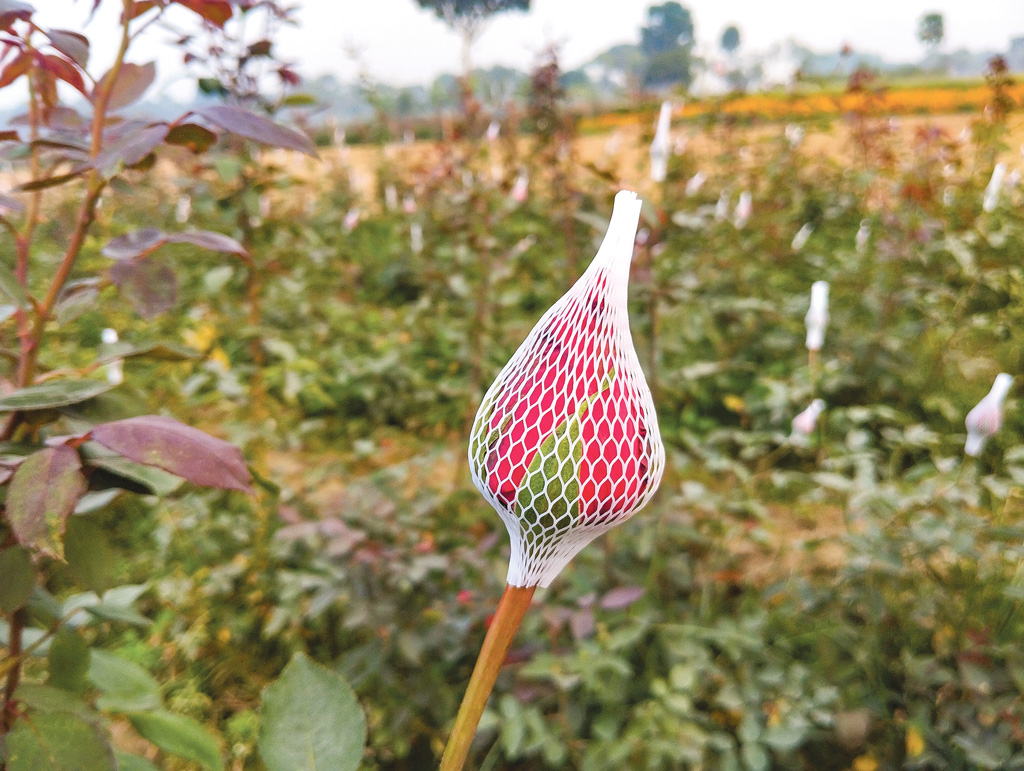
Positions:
(566, 443)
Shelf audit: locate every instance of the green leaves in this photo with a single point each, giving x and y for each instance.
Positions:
(42, 495)
(126, 687)
(179, 735)
(58, 741)
(311, 721)
(88, 553)
(18, 578)
(52, 393)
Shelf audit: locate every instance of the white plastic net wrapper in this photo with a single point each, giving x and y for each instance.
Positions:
(566, 444)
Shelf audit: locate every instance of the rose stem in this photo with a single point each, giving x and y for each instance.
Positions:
(511, 609)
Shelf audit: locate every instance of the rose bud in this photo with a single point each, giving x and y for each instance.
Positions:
(566, 444)
(985, 419)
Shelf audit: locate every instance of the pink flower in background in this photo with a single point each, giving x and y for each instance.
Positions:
(805, 422)
(351, 219)
(985, 419)
(521, 187)
(744, 209)
(409, 203)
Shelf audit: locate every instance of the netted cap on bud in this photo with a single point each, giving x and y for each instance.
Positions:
(802, 236)
(805, 422)
(744, 208)
(183, 210)
(995, 184)
(521, 187)
(566, 444)
(662, 145)
(863, 236)
(416, 237)
(695, 183)
(817, 316)
(987, 416)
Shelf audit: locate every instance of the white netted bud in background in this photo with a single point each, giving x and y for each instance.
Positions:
(863, 236)
(566, 444)
(680, 145)
(493, 131)
(744, 208)
(115, 369)
(391, 197)
(722, 207)
(662, 144)
(409, 203)
(416, 237)
(183, 210)
(794, 135)
(351, 219)
(805, 422)
(801, 237)
(613, 144)
(1012, 181)
(695, 183)
(817, 316)
(985, 419)
(995, 184)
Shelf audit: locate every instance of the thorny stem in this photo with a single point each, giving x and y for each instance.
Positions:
(30, 341)
(510, 612)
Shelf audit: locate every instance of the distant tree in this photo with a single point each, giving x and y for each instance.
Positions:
(730, 38)
(667, 43)
(931, 30)
(467, 17)
(669, 26)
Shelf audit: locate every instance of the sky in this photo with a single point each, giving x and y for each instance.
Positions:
(400, 43)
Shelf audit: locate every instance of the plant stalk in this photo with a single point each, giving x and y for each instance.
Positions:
(511, 609)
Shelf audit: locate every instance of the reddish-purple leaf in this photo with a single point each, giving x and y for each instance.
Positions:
(196, 138)
(148, 284)
(18, 66)
(73, 45)
(133, 244)
(215, 242)
(214, 11)
(154, 440)
(66, 71)
(256, 127)
(12, 10)
(139, 7)
(132, 82)
(9, 136)
(621, 597)
(42, 495)
(129, 148)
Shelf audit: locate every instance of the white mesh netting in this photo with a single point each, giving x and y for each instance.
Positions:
(565, 444)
